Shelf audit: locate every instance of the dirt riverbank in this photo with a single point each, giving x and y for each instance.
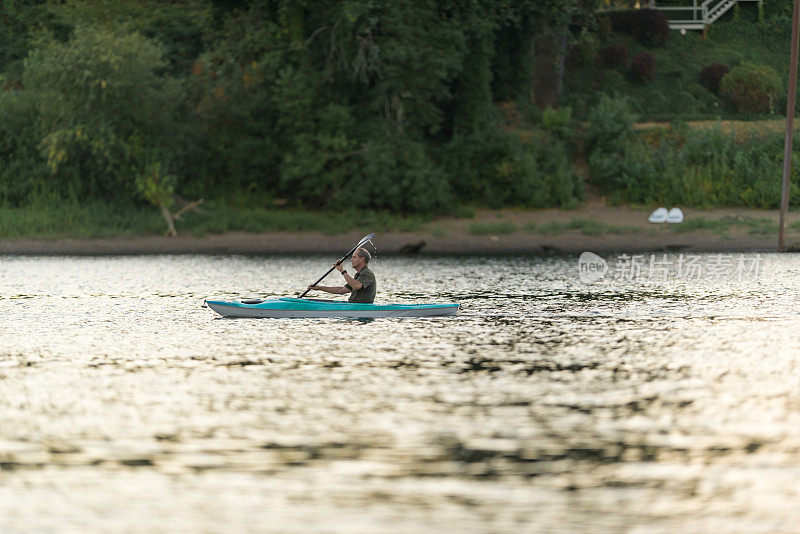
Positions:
(594, 226)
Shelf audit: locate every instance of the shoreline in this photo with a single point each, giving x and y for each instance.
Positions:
(391, 243)
(613, 229)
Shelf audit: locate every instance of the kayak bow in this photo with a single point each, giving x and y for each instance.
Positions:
(295, 307)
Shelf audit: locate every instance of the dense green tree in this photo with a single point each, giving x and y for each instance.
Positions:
(102, 108)
(331, 103)
(23, 173)
(17, 17)
(182, 27)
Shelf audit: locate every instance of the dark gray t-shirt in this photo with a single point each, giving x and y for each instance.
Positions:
(367, 292)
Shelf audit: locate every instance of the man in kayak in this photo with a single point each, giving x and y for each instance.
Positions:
(361, 286)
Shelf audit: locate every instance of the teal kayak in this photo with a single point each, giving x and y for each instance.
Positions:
(294, 307)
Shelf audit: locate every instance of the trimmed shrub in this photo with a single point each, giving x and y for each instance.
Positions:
(751, 88)
(614, 56)
(643, 67)
(711, 76)
(649, 26)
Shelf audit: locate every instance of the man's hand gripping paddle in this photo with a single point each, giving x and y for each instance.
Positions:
(366, 239)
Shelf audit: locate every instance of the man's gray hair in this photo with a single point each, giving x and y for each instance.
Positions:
(364, 254)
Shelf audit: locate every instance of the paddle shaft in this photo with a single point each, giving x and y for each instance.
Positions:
(337, 263)
(360, 243)
(330, 270)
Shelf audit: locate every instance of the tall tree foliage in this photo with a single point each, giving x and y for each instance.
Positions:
(331, 103)
(17, 17)
(103, 110)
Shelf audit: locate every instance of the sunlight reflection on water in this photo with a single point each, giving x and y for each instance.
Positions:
(546, 404)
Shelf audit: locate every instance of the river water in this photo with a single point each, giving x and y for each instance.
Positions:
(634, 403)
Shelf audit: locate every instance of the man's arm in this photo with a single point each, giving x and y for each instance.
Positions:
(352, 282)
(339, 290)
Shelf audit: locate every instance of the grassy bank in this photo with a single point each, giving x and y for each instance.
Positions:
(591, 227)
(96, 220)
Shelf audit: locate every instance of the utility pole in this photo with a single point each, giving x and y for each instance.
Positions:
(787, 149)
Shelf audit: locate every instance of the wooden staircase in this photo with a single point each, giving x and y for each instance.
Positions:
(697, 15)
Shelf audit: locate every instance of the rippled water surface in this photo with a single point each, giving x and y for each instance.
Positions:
(546, 405)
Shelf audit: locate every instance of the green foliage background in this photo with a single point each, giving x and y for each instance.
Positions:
(745, 34)
(382, 104)
(403, 108)
(679, 166)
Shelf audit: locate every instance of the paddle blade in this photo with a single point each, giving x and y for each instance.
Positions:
(365, 240)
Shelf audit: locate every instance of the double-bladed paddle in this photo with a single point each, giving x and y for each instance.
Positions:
(366, 239)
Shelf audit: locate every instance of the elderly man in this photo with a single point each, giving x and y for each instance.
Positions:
(361, 286)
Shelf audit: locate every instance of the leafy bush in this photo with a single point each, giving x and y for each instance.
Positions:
(557, 121)
(398, 177)
(614, 56)
(179, 26)
(649, 26)
(610, 125)
(643, 67)
(102, 107)
(752, 88)
(617, 161)
(500, 169)
(584, 48)
(711, 76)
(22, 169)
(680, 166)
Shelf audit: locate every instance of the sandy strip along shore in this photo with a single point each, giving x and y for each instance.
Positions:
(622, 229)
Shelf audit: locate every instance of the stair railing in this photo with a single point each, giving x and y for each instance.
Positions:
(695, 17)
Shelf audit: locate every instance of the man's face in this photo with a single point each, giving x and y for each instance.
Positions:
(356, 261)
